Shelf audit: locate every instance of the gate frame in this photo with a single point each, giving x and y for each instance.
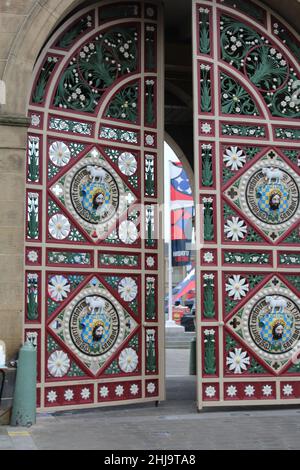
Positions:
(42, 268)
(219, 323)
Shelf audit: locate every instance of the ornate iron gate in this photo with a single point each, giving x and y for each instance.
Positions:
(93, 275)
(247, 131)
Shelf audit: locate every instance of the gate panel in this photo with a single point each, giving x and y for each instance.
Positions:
(247, 129)
(93, 276)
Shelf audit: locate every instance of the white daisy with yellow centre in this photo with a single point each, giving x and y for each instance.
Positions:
(58, 364)
(58, 288)
(238, 361)
(235, 229)
(128, 289)
(237, 287)
(128, 360)
(234, 158)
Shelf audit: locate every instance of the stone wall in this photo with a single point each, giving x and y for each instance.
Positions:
(24, 28)
(12, 201)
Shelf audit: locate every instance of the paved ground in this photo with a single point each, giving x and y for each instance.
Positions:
(173, 425)
(177, 362)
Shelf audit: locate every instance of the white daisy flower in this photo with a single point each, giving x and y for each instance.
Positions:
(238, 361)
(119, 390)
(58, 288)
(127, 163)
(235, 229)
(59, 153)
(231, 391)
(128, 360)
(59, 226)
(234, 158)
(150, 261)
(32, 256)
(151, 387)
(69, 395)
(128, 232)
(58, 364)
(85, 393)
(210, 391)
(51, 396)
(206, 128)
(237, 287)
(208, 257)
(134, 389)
(249, 390)
(288, 390)
(267, 390)
(128, 289)
(104, 392)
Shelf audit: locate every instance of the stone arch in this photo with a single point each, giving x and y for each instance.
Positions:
(37, 26)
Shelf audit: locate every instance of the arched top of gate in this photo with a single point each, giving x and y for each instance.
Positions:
(257, 56)
(43, 20)
(32, 40)
(94, 61)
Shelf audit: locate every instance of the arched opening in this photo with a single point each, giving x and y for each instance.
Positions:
(180, 261)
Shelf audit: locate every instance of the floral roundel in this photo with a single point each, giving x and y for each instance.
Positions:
(128, 289)
(59, 227)
(58, 364)
(127, 163)
(60, 154)
(128, 360)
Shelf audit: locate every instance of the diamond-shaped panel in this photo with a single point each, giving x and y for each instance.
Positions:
(94, 194)
(93, 326)
(268, 194)
(269, 324)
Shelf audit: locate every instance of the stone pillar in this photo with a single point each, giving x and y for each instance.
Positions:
(13, 131)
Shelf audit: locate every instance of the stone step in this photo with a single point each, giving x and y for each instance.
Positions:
(175, 345)
(178, 339)
(180, 342)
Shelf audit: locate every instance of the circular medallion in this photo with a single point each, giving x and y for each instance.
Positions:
(271, 323)
(94, 325)
(272, 195)
(274, 324)
(94, 194)
(269, 195)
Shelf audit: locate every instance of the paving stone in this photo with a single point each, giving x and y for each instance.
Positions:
(173, 425)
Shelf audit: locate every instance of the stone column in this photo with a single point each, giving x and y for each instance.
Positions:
(13, 130)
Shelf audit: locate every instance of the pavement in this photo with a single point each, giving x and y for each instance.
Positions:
(173, 425)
